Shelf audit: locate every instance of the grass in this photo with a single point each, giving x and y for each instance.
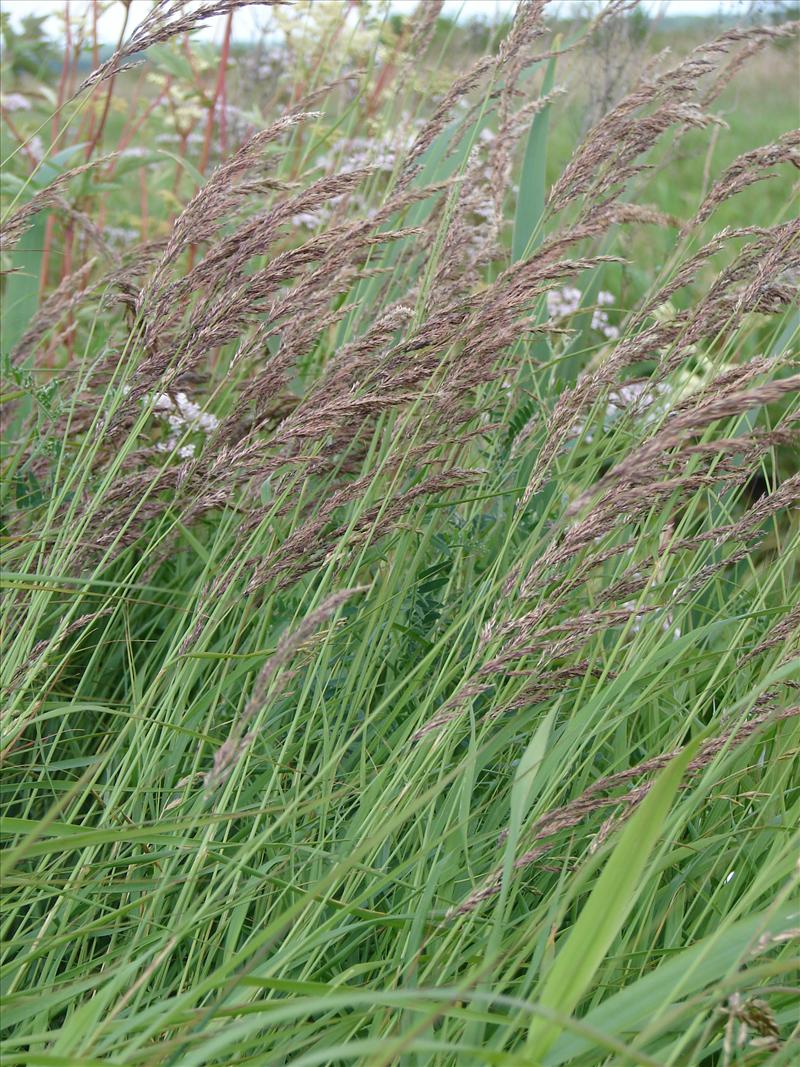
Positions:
(400, 662)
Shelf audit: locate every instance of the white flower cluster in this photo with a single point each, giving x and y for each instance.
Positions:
(561, 303)
(195, 139)
(15, 102)
(346, 155)
(649, 399)
(354, 153)
(182, 415)
(309, 219)
(357, 152)
(484, 209)
(237, 122)
(120, 236)
(36, 148)
(600, 318)
(312, 219)
(640, 396)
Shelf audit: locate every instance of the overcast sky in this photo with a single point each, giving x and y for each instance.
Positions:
(111, 21)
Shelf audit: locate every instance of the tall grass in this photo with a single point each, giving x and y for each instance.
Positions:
(400, 578)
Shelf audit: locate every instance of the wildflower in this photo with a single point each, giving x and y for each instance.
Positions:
(639, 395)
(191, 413)
(36, 148)
(309, 219)
(183, 416)
(561, 303)
(15, 102)
(236, 121)
(119, 236)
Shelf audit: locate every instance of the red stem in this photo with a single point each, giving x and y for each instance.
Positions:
(99, 131)
(90, 112)
(218, 91)
(44, 268)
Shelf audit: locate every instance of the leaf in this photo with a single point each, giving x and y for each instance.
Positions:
(56, 164)
(172, 61)
(782, 340)
(684, 974)
(522, 791)
(128, 164)
(530, 201)
(190, 169)
(21, 292)
(608, 906)
(438, 163)
(12, 184)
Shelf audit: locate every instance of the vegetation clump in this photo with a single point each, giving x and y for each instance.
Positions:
(399, 520)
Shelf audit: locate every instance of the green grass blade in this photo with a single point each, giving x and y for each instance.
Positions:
(532, 183)
(609, 904)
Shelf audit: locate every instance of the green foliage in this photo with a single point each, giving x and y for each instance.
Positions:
(529, 794)
(29, 49)
(530, 204)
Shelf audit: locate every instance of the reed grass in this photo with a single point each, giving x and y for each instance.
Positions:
(400, 650)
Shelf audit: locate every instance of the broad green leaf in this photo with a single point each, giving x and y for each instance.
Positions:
(609, 904)
(532, 183)
(20, 298)
(172, 61)
(681, 976)
(56, 164)
(523, 791)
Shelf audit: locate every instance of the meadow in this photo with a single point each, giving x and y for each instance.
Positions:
(400, 533)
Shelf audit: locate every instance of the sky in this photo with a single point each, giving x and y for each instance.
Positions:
(111, 22)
